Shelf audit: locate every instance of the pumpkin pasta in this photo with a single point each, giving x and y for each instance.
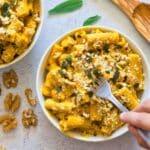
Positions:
(74, 66)
(19, 20)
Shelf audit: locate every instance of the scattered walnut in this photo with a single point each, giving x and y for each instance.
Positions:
(11, 102)
(10, 79)
(32, 101)
(8, 121)
(6, 117)
(29, 118)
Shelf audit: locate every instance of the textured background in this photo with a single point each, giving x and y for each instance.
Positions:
(45, 136)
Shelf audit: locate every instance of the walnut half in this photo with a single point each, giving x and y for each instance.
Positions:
(11, 102)
(29, 118)
(32, 101)
(10, 79)
(8, 121)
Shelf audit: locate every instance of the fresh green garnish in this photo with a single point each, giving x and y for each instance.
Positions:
(89, 73)
(66, 7)
(69, 59)
(5, 10)
(90, 93)
(107, 71)
(61, 73)
(91, 20)
(64, 64)
(118, 46)
(58, 88)
(67, 62)
(96, 72)
(116, 76)
(106, 47)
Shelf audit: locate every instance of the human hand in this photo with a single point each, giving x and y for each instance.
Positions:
(138, 118)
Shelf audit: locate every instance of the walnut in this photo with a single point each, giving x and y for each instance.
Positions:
(11, 102)
(32, 101)
(10, 79)
(29, 118)
(9, 122)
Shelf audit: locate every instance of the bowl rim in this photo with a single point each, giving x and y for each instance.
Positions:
(47, 52)
(35, 38)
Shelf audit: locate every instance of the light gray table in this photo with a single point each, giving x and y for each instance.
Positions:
(45, 136)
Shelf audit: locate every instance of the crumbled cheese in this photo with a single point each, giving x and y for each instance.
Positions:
(2, 30)
(5, 20)
(85, 115)
(36, 18)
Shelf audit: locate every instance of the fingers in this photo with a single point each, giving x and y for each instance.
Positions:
(143, 107)
(138, 137)
(139, 120)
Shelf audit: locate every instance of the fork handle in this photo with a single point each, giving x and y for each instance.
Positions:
(143, 133)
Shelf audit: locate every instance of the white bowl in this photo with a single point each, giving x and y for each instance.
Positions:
(41, 76)
(33, 41)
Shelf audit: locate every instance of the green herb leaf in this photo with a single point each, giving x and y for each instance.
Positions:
(106, 47)
(88, 73)
(116, 76)
(107, 71)
(90, 93)
(64, 64)
(96, 72)
(5, 10)
(67, 62)
(91, 20)
(66, 7)
(119, 46)
(61, 73)
(69, 59)
(58, 88)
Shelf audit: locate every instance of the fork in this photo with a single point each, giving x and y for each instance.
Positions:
(104, 90)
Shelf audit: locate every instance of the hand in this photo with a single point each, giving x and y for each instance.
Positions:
(138, 118)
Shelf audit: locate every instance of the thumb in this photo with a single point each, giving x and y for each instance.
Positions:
(139, 120)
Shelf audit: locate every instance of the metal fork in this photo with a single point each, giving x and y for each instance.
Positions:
(104, 91)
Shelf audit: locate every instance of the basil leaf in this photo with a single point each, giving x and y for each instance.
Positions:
(5, 10)
(91, 20)
(66, 7)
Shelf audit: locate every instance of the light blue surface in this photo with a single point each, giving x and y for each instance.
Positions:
(45, 136)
